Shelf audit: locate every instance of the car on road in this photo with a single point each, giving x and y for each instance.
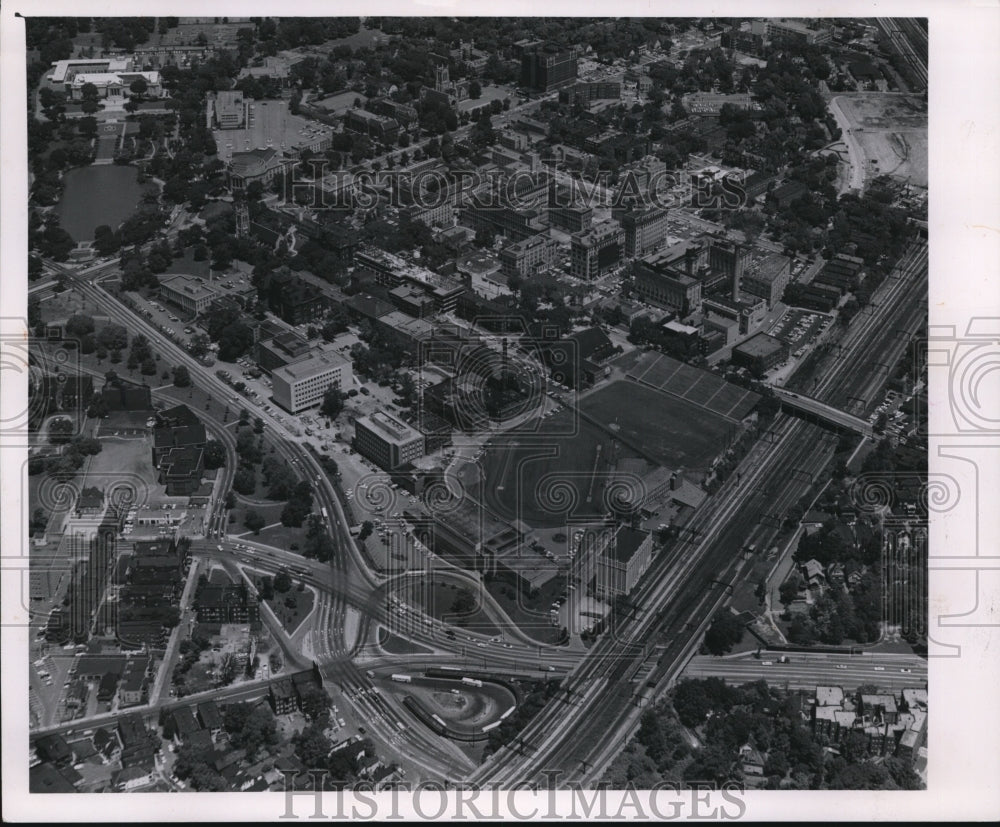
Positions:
(906, 670)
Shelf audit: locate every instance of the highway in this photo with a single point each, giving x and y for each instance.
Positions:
(774, 474)
(806, 670)
(676, 600)
(438, 757)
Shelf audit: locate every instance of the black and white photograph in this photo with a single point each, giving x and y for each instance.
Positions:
(406, 411)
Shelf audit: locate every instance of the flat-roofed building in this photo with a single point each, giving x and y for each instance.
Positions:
(227, 109)
(659, 282)
(302, 383)
(529, 256)
(768, 278)
(63, 71)
(595, 251)
(282, 350)
(387, 441)
(760, 353)
(187, 293)
(622, 562)
(392, 271)
(645, 228)
(380, 127)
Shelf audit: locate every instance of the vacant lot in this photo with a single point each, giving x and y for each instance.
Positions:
(125, 463)
(892, 132)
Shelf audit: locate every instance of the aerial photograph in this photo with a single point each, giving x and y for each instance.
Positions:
(499, 401)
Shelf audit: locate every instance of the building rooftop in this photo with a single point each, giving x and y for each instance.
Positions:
(188, 285)
(597, 233)
(64, 70)
(829, 696)
(769, 268)
(395, 429)
(627, 542)
(312, 363)
(760, 345)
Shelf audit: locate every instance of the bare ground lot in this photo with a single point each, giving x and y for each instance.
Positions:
(892, 131)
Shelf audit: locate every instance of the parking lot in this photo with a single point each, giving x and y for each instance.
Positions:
(800, 329)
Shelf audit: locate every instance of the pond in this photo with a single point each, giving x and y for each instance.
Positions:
(95, 195)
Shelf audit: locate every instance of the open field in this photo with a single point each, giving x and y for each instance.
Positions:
(125, 461)
(892, 131)
(672, 431)
(556, 477)
(560, 476)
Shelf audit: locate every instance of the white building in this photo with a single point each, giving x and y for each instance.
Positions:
(302, 383)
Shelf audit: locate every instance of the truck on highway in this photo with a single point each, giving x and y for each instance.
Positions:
(472, 682)
(402, 678)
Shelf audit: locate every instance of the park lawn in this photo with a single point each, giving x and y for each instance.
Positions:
(283, 537)
(530, 614)
(395, 645)
(291, 616)
(437, 598)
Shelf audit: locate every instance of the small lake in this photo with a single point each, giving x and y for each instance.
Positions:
(95, 195)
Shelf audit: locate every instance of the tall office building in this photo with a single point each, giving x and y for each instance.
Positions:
(547, 69)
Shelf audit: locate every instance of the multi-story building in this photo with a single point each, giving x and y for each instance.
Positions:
(176, 427)
(302, 383)
(768, 278)
(791, 29)
(748, 311)
(227, 109)
(645, 228)
(547, 69)
(586, 93)
(595, 251)
(295, 300)
(379, 127)
(566, 213)
(392, 271)
(622, 562)
(387, 441)
(659, 282)
(281, 350)
(760, 353)
(529, 256)
(187, 293)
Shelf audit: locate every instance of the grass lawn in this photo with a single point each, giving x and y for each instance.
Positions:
(292, 607)
(399, 646)
(675, 432)
(531, 614)
(531, 480)
(560, 474)
(290, 539)
(437, 599)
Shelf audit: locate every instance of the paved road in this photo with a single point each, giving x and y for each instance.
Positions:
(808, 670)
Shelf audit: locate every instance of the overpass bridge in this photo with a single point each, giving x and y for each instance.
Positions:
(822, 412)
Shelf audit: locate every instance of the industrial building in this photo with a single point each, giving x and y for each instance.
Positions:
(760, 353)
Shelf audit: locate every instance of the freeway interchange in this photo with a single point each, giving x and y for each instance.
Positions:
(673, 604)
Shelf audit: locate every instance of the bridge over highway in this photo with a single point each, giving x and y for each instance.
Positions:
(827, 414)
